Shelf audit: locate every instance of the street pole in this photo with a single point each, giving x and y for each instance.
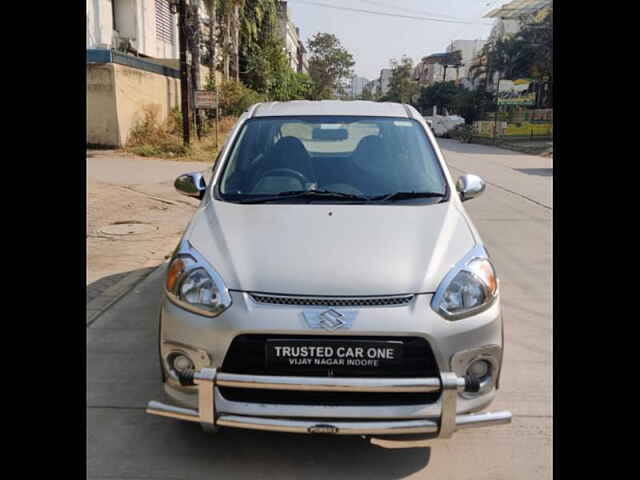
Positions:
(217, 112)
(194, 38)
(495, 125)
(184, 73)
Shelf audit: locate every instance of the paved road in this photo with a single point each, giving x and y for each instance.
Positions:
(136, 193)
(124, 169)
(514, 218)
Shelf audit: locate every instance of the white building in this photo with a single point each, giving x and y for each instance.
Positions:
(469, 50)
(438, 73)
(511, 16)
(143, 27)
(504, 28)
(385, 79)
(428, 71)
(357, 85)
(293, 45)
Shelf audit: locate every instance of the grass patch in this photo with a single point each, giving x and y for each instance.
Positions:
(153, 138)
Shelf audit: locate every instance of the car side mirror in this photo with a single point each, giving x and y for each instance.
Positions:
(469, 186)
(191, 184)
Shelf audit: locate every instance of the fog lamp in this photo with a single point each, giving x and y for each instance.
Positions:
(479, 369)
(182, 363)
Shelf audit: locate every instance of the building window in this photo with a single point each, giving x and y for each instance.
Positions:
(164, 22)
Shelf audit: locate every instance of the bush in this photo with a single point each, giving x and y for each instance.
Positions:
(473, 104)
(462, 133)
(235, 98)
(174, 122)
(147, 130)
(150, 138)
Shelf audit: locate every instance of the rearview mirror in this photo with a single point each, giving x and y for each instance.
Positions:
(334, 134)
(191, 184)
(469, 186)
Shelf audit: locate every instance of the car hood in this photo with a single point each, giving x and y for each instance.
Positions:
(322, 249)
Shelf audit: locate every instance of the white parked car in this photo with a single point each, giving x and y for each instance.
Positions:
(442, 125)
(331, 281)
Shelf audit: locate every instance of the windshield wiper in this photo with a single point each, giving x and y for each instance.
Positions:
(303, 194)
(407, 195)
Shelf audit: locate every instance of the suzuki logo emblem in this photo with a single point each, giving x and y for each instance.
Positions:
(329, 319)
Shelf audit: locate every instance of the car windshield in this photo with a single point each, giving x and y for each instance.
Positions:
(332, 159)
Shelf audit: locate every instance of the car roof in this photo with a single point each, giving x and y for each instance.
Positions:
(331, 107)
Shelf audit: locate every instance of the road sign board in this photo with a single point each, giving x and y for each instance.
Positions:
(205, 99)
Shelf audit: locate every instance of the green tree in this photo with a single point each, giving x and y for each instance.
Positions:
(527, 54)
(536, 41)
(263, 63)
(402, 87)
(210, 44)
(228, 13)
(440, 94)
(469, 104)
(480, 69)
(261, 56)
(330, 65)
(301, 86)
(472, 104)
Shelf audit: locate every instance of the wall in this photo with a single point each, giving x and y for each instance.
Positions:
(102, 119)
(137, 89)
(486, 128)
(117, 96)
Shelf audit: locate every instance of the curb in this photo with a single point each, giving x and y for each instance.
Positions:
(514, 147)
(111, 295)
(527, 150)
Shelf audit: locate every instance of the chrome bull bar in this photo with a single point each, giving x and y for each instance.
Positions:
(448, 383)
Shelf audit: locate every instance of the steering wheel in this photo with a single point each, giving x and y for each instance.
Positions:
(287, 172)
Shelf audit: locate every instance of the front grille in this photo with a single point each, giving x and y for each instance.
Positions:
(332, 301)
(246, 355)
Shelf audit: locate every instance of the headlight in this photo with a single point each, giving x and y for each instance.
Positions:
(469, 288)
(194, 285)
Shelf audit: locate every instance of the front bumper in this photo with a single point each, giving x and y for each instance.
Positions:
(207, 342)
(444, 425)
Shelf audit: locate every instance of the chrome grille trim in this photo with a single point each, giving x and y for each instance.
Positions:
(295, 300)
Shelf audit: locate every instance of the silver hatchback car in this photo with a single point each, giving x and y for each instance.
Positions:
(331, 281)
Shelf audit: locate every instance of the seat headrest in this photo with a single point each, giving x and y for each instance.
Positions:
(289, 147)
(370, 154)
(289, 152)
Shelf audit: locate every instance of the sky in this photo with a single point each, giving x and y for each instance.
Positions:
(374, 39)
